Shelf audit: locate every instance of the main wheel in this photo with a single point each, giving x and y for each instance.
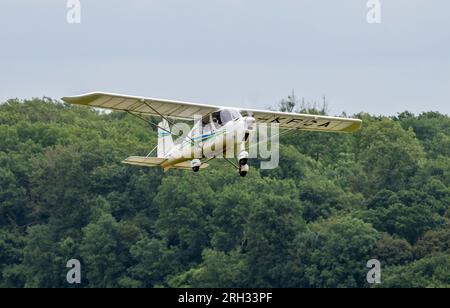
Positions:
(243, 170)
(243, 158)
(196, 164)
(243, 161)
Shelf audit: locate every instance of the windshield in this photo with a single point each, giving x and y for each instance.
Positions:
(218, 119)
(228, 115)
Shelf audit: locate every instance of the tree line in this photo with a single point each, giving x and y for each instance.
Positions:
(335, 202)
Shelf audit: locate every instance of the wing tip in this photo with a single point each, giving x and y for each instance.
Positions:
(354, 127)
(83, 99)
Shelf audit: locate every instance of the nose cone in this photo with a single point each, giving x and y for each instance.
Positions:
(250, 123)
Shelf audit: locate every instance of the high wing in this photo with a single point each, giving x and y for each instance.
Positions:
(307, 122)
(187, 111)
(142, 105)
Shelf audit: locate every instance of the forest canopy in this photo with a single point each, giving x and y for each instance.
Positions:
(335, 202)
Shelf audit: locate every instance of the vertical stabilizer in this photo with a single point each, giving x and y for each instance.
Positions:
(165, 142)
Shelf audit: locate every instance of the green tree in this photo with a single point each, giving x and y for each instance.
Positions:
(11, 255)
(154, 262)
(334, 253)
(100, 252)
(408, 222)
(389, 156)
(434, 241)
(429, 272)
(185, 206)
(336, 201)
(44, 263)
(218, 270)
(393, 251)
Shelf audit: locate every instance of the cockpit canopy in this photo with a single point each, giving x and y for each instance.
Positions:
(219, 118)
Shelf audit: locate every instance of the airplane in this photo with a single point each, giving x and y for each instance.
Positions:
(228, 127)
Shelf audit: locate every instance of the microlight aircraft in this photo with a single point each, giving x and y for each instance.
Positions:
(217, 131)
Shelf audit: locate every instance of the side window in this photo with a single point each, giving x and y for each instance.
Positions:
(217, 121)
(206, 123)
(228, 116)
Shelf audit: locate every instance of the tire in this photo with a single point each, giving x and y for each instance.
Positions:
(243, 161)
(243, 173)
(243, 170)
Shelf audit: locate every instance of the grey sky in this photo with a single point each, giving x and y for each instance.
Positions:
(235, 53)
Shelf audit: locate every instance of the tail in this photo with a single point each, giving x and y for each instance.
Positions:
(158, 162)
(144, 161)
(165, 142)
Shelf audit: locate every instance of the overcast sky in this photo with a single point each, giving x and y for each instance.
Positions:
(247, 53)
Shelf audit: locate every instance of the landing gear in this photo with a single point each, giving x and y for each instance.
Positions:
(243, 158)
(195, 165)
(243, 170)
(243, 161)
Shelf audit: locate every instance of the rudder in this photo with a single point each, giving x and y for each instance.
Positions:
(165, 141)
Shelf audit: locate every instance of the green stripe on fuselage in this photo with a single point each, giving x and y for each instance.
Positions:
(204, 137)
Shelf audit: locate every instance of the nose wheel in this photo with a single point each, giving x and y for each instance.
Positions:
(243, 160)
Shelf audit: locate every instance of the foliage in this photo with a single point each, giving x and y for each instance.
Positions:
(335, 202)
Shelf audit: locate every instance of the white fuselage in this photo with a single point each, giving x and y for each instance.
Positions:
(225, 141)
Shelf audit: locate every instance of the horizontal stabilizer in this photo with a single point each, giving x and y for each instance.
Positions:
(187, 166)
(156, 161)
(144, 161)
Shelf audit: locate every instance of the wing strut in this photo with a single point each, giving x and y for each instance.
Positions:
(165, 118)
(233, 164)
(151, 123)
